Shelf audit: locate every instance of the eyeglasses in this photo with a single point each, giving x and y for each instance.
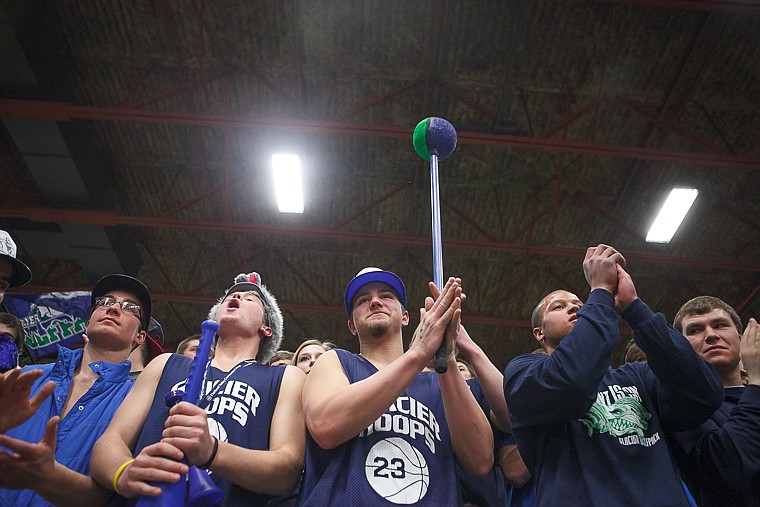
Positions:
(127, 306)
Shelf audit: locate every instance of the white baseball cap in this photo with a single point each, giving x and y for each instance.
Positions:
(21, 272)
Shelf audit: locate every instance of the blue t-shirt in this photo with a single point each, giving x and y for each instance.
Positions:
(84, 423)
(404, 457)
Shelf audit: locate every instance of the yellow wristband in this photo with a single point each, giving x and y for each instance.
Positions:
(118, 473)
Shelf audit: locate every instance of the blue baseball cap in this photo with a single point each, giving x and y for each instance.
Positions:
(369, 275)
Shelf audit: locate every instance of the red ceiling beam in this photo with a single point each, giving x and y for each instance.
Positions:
(747, 300)
(110, 219)
(360, 108)
(570, 118)
(634, 173)
(610, 217)
(730, 6)
(347, 220)
(63, 112)
(662, 121)
(461, 97)
(174, 90)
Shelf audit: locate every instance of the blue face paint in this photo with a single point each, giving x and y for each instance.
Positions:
(8, 353)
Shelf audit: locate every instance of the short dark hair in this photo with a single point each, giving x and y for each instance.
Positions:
(14, 323)
(184, 344)
(281, 355)
(633, 353)
(145, 352)
(701, 305)
(537, 316)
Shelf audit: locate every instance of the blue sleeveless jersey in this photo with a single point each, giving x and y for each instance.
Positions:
(404, 457)
(240, 413)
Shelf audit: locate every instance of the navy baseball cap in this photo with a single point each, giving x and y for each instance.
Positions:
(369, 275)
(155, 339)
(128, 284)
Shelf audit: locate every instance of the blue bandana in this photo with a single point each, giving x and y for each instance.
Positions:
(8, 353)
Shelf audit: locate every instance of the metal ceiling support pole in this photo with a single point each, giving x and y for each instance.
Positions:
(364, 209)
(531, 132)
(569, 119)
(633, 172)
(661, 121)
(466, 100)
(472, 223)
(610, 217)
(752, 224)
(212, 192)
(174, 90)
(535, 217)
(303, 279)
(377, 100)
(749, 298)
(563, 282)
(217, 278)
(605, 59)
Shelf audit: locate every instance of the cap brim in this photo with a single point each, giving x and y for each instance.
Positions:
(386, 277)
(21, 272)
(244, 287)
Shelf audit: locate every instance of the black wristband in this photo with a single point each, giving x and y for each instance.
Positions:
(213, 454)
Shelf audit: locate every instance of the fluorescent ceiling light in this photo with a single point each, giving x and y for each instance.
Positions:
(287, 183)
(671, 215)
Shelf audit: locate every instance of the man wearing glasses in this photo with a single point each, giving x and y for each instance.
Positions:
(46, 457)
(247, 429)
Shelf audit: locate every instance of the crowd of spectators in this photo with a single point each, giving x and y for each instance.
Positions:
(110, 422)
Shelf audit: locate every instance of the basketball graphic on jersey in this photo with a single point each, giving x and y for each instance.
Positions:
(215, 429)
(397, 471)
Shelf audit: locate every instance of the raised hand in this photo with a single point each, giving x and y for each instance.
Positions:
(454, 329)
(626, 290)
(600, 267)
(15, 388)
(435, 317)
(28, 464)
(750, 351)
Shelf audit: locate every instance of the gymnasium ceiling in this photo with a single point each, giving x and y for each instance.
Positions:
(137, 137)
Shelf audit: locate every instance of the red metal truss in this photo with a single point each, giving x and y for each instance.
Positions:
(110, 219)
(64, 112)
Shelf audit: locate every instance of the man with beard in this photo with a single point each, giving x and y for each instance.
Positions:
(593, 435)
(382, 431)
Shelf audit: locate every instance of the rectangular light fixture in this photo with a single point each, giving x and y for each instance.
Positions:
(671, 215)
(287, 183)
